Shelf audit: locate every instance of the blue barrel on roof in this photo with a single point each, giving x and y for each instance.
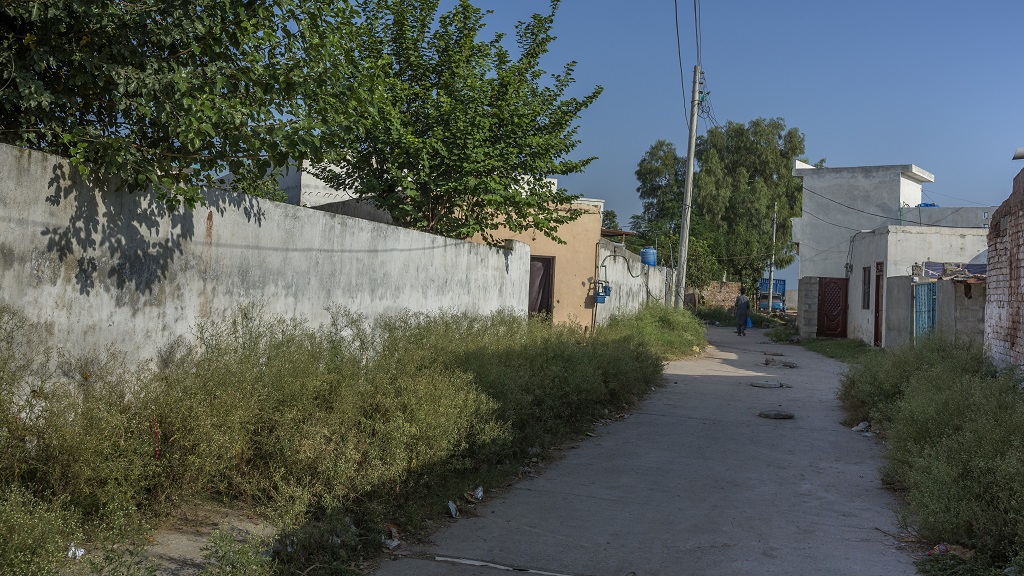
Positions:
(649, 256)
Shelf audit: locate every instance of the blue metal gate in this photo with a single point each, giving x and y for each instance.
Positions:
(924, 308)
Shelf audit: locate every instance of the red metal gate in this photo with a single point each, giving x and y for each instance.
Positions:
(832, 307)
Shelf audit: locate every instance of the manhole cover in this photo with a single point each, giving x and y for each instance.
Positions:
(776, 415)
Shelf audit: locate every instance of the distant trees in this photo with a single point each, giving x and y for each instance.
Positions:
(610, 220)
(743, 170)
(661, 174)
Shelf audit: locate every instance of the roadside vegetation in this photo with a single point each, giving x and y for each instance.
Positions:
(954, 426)
(328, 433)
(726, 317)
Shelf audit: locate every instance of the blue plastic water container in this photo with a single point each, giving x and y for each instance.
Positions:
(649, 256)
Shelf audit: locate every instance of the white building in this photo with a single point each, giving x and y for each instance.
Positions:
(871, 218)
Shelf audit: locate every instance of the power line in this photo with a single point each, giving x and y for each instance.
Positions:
(696, 30)
(827, 222)
(919, 223)
(679, 53)
(955, 198)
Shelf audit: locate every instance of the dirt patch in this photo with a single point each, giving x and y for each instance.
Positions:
(176, 547)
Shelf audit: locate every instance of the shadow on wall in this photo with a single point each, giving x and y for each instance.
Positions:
(136, 233)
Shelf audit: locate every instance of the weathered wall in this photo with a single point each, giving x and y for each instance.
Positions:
(807, 313)
(960, 310)
(1004, 299)
(898, 248)
(721, 294)
(867, 191)
(899, 311)
(633, 284)
(574, 262)
(99, 267)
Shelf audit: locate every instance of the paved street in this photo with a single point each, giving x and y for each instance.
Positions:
(694, 482)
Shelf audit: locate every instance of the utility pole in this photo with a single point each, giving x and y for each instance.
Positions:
(684, 230)
(771, 268)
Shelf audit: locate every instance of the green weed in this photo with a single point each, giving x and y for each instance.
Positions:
(670, 332)
(955, 427)
(332, 431)
(35, 535)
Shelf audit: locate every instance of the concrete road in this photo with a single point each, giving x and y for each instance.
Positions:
(694, 482)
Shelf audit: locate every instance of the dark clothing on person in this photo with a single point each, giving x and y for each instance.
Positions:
(742, 314)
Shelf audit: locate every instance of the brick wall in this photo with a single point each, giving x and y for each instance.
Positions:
(1004, 338)
(721, 294)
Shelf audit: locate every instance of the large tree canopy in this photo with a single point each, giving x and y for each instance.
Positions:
(464, 133)
(743, 170)
(661, 174)
(168, 95)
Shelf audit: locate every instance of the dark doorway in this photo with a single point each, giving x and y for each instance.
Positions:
(541, 284)
(879, 317)
(832, 307)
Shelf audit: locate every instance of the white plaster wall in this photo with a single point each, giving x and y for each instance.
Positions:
(859, 194)
(867, 250)
(101, 267)
(899, 247)
(899, 311)
(633, 284)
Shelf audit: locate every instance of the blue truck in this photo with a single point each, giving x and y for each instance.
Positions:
(778, 296)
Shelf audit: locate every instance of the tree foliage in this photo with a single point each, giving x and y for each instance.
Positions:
(463, 133)
(661, 174)
(743, 170)
(609, 220)
(168, 95)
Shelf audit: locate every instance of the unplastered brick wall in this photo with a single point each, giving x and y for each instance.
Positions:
(1004, 329)
(720, 294)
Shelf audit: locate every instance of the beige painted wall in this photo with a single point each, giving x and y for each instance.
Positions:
(575, 262)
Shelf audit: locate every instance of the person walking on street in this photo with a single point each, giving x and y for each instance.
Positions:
(742, 312)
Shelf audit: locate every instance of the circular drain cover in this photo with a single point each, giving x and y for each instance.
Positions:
(776, 415)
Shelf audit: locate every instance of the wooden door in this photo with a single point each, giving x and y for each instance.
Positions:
(832, 307)
(541, 284)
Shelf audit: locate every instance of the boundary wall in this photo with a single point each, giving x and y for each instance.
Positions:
(100, 267)
(633, 284)
(1004, 299)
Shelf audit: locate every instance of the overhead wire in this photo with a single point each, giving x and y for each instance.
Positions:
(697, 31)
(955, 198)
(847, 206)
(679, 54)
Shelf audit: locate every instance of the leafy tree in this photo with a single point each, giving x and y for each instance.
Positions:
(661, 174)
(744, 170)
(168, 95)
(463, 134)
(610, 220)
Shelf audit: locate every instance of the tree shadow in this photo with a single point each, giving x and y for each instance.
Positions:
(123, 240)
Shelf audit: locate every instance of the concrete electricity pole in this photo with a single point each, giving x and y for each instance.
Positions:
(684, 230)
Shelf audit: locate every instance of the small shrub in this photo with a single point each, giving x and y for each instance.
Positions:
(869, 388)
(956, 449)
(783, 334)
(35, 535)
(230, 553)
(719, 314)
(670, 332)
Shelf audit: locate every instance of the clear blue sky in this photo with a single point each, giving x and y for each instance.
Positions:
(937, 83)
